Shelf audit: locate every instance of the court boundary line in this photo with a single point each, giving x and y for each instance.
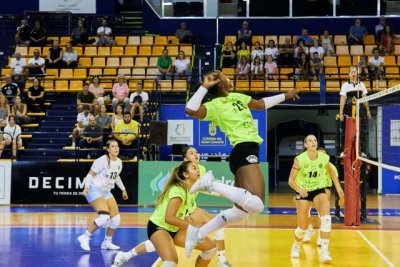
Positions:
(374, 248)
(158, 260)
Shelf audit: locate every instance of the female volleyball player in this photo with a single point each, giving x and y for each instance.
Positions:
(102, 177)
(308, 180)
(231, 112)
(196, 215)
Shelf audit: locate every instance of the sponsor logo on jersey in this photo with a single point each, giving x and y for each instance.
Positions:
(252, 159)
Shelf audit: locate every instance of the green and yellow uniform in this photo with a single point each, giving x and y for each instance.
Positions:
(328, 179)
(311, 175)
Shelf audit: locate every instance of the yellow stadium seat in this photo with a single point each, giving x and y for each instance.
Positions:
(187, 49)
(356, 50)
(173, 40)
(173, 50)
(112, 72)
(285, 73)
(342, 50)
(66, 73)
(22, 49)
(271, 37)
(229, 72)
(392, 73)
(271, 86)
(95, 72)
(151, 73)
(99, 62)
(134, 40)
(303, 86)
(5, 71)
(242, 86)
(230, 38)
(158, 50)
(147, 40)
(331, 73)
(103, 51)
(48, 84)
(79, 50)
(144, 50)
(130, 50)
(141, 62)
(257, 38)
(153, 61)
(369, 39)
(392, 83)
(75, 86)
(33, 48)
(389, 61)
(127, 62)
(85, 61)
(80, 73)
(286, 85)
(282, 38)
(138, 73)
(64, 40)
(53, 38)
(340, 39)
(51, 73)
(330, 61)
(368, 49)
(90, 51)
(344, 72)
(180, 86)
(124, 71)
(333, 86)
(61, 85)
(165, 85)
(379, 85)
(120, 40)
(113, 62)
(315, 86)
(397, 50)
(344, 61)
(257, 86)
(160, 40)
(117, 51)
(149, 85)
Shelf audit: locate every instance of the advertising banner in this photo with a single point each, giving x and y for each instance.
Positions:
(42, 182)
(154, 174)
(5, 182)
(73, 6)
(180, 132)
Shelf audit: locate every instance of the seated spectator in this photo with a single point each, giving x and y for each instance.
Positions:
(271, 68)
(243, 69)
(229, 59)
(4, 110)
(257, 52)
(184, 35)
(117, 116)
(35, 96)
(244, 34)
(182, 67)
(316, 65)
(79, 34)
(10, 89)
(20, 111)
(362, 66)
(92, 135)
(36, 64)
(243, 51)
(286, 53)
(70, 57)
(120, 93)
(85, 98)
(38, 35)
(23, 33)
(301, 48)
(55, 56)
(98, 90)
(103, 119)
(379, 29)
(12, 135)
(127, 132)
(357, 32)
(104, 32)
(271, 50)
(302, 67)
(164, 64)
(308, 41)
(139, 100)
(18, 67)
(83, 121)
(388, 40)
(317, 48)
(257, 68)
(3, 143)
(327, 44)
(376, 65)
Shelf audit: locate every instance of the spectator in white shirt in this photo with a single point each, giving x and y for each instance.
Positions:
(182, 67)
(82, 120)
(271, 50)
(18, 66)
(70, 57)
(36, 64)
(257, 52)
(317, 48)
(376, 65)
(139, 100)
(257, 68)
(104, 34)
(12, 135)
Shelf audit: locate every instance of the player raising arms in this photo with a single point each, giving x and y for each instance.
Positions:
(102, 177)
(231, 112)
(307, 178)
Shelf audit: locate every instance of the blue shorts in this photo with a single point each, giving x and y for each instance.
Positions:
(95, 192)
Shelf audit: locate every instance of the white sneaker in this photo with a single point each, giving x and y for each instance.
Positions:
(319, 242)
(109, 245)
(119, 260)
(191, 240)
(204, 183)
(325, 257)
(84, 242)
(295, 252)
(308, 235)
(224, 264)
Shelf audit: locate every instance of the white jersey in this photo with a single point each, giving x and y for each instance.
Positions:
(107, 172)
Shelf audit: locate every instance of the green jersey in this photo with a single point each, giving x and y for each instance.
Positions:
(233, 117)
(328, 179)
(311, 175)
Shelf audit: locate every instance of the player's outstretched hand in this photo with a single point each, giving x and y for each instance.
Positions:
(124, 195)
(210, 80)
(292, 94)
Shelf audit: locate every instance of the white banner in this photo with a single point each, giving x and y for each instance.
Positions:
(180, 132)
(5, 182)
(73, 6)
(395, 133)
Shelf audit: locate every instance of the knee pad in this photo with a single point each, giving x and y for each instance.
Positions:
(233, 215)
(299, 233)
(252, 203)
(149, 246)
(209, 254)
(219, 235)
(168, 264)
(115, 221)
(103, 219)
(326, 223)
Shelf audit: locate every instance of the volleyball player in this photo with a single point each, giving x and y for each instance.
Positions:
(231, 112)
(102, 177)
(308, 180)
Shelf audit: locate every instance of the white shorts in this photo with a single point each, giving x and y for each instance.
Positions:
(95, 192)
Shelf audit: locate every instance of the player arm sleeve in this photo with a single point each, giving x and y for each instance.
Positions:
(119, 183)
(194, 102)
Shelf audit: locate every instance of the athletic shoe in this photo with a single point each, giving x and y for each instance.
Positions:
(308, 235)
(325, 257)
(295, 252)
(84, 242)
(224, 264)
(119, 260)
(319, 242)
(109, 245)
(191, 240)
(204, 183)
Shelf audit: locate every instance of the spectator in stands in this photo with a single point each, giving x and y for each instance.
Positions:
(139, 100)
(20, 111)
(55, 56)
(327, 44)
(70, 57)
(376, 65)
(127, 132)
(362, 66)
(244, 34)
(243, 51)
(104, 32)
(120, 93)
(38, 35)
(86, 98)
(92, 135)
(3, 143)
(257, 68)
(4, 110)
(79, 34)
(164, 64)
(184, 35)
(317, 48)
(83, 121)
(229, 59)
(12, 135)
(357, 32)
(316, 65)
(117, 116)
(35, 96)
(388, 39)
(103, 119)
(23, 33)
(36, 64)
(98, 90)
(308, 41)
(182, 67)
(379, 29)
(271, 50)
(302, 67)
(271, 68)
(18, 67)
(286, 53)
(10, 89)
(257, 52)
(300, 49)
(243, 69)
